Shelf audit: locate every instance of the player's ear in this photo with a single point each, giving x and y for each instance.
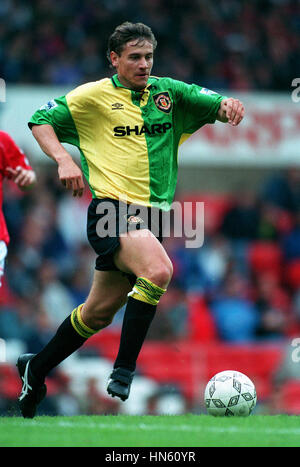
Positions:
(114, 59)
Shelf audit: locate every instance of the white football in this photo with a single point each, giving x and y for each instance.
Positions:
(230, 393)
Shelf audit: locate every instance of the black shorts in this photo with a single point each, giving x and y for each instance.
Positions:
(108, 218)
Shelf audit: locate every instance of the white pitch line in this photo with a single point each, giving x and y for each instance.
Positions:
(151, 427)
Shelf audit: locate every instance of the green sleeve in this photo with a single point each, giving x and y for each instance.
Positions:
(196, 106)
(57, 114)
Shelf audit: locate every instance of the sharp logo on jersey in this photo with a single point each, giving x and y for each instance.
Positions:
(163, 102)
(117, 106)
(156, 128)
(50, 105)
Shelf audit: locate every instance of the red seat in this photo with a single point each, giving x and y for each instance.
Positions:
(172, 363)
(10, 383)
(290, 400)
(265, 257)
(257, 362)
(293, 274)
(106, 342)
(190, 365)
(215, 207)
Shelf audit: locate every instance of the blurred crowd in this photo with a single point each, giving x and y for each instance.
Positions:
(229, 44)
(242, 286)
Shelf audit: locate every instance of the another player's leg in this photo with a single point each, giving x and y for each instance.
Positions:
(3, 253)
(107, 295)
(140, 254)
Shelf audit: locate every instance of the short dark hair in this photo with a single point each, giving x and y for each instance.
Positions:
(127, 32)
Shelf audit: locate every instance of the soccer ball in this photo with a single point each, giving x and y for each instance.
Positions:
(230, 393)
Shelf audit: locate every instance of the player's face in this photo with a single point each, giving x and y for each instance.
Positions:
(134, 64)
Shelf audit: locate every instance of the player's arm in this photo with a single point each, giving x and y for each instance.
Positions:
(231, 111)
(200, 106)
(24, 178)
(16, 164)
(68, 171)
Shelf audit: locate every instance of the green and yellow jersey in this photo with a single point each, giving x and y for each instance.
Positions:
(128, 140)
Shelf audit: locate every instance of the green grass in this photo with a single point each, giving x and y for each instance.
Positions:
(150, 431)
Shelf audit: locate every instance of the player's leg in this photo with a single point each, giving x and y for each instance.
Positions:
(3, 253)
(108, 293)
(142, 255)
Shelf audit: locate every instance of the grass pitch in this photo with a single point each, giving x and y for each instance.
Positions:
(150, 431)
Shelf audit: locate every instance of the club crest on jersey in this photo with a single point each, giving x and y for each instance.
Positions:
(134, 220)
(163, 102)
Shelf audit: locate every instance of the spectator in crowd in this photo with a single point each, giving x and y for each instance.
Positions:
(237, 45)
(274, 306)
(241, 221)
(236, 316)
(283, 190)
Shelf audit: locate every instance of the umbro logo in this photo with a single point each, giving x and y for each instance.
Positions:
(117, 106)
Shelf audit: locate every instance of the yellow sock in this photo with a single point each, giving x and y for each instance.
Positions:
(145, 291)
(82, 329)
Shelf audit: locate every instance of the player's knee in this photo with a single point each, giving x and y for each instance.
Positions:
(160, 274)
(100, 315)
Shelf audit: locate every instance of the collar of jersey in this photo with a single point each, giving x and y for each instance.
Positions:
(116, 82)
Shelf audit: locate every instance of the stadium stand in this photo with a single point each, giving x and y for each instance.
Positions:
(232, 45)
(41, 279)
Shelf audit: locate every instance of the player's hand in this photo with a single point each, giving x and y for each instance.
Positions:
(71, 177)
(231, 111)
(24, 178)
